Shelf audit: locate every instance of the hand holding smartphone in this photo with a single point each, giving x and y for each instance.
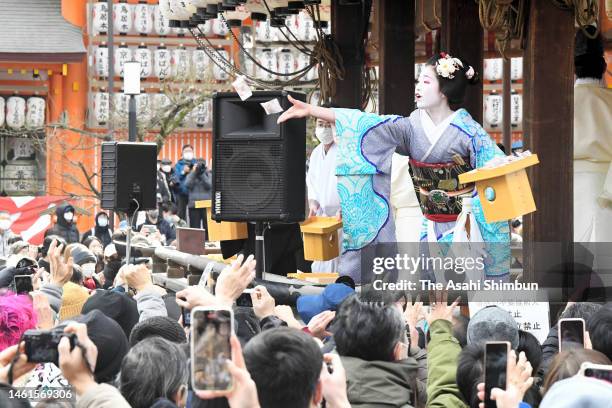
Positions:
(211, 329)
(571, 334)
(23, 284)
(496, 369)
(599, 371)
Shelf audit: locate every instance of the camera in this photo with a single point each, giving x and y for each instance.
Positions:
(41, 345)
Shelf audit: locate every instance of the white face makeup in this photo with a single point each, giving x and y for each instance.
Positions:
(427, 90)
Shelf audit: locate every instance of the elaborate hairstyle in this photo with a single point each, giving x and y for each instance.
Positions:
(454, 75)
(16, 316)
(589, 61)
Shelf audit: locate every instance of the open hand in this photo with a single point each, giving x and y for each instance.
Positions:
(61, 271)
(234, 279)
(440, 310)
(298, 110)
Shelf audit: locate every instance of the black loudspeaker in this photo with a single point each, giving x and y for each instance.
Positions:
(129, 177)
(259, 167)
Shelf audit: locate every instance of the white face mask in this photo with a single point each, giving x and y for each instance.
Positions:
(166, 169)
(188, 156)
(88, 269)
(102, 222)
(325, 135)
(68, 216)
(5, 224)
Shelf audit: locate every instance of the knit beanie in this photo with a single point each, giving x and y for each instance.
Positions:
(118, 306)
(161, 326)
(73, 298)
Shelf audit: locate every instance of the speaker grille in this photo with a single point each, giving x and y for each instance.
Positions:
(249, 178)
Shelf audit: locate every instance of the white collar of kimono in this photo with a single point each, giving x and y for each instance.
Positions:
(588, 81)
(433, 131)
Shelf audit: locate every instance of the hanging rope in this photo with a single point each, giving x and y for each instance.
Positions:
(506, 18)
(586, 12)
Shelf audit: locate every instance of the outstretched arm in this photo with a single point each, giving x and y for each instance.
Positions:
(302, 109)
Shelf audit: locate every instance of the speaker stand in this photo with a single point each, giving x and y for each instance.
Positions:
(260, 256)
(128, 244)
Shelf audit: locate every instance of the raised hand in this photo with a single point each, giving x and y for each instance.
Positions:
(298, 110)
(439, 306)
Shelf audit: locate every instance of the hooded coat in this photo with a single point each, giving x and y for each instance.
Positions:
(104, 234)
(63, 228)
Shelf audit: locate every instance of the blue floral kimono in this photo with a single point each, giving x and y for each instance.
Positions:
(366, 143)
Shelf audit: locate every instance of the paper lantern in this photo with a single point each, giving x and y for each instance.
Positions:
(203, 114)
(292, 24)
(20, 179)
(303, 61)
(101, 107)
(201, 63)
(286, 63)
(123, 16)
(122, 55)
(516, 109)
(218, 73)
(35, 113)
(20, 148)
(160, 101)
(144, 55)
(15, 112)
(493, 110)
(493, 69)
(161, 23)
(268, 60)
(99, 17)
(162, 62)
(101, 61)
(516, 68)
(143, 18)
(306, 30)
(143, 107)
(219, 27)
(206, 28)
(121, 102)
(266, 33)
(180, 63)
(2, 111)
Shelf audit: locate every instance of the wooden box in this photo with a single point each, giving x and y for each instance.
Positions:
(504, 191)
(321, 238)
(321, 278)
(222, 231)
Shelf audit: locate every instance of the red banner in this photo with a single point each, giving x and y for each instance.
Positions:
(27, 215)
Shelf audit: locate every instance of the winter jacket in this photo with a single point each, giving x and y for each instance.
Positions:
(63, 228)
(102, 396)
(54, 295)
(380, 384)
(150, 304)
(104, 234)
(163, 190)
(164, 228)
(199, 185)
(180, 177)
(443, 354)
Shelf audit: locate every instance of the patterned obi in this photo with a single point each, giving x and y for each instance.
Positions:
(438, 190)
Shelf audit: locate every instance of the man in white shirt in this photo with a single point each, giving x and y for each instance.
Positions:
(323, 199)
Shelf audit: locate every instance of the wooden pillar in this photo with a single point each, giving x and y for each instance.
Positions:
(461, 35)
(548, 131)
(396, 40)
(347, 28)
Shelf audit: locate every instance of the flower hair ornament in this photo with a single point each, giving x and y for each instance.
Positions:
(446, 66)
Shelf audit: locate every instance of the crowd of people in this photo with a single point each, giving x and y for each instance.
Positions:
(349, 349)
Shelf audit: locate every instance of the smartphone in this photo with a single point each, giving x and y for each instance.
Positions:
(186, 313)
(496, 366)
(571, 334)
(599, 371)
(211, 329)
(23, 284)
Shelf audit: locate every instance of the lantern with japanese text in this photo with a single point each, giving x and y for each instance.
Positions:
(306, 30)
(143, 18)
(516, 68)
(286, 62)
(203, 114)
(160, 101)
(35, 112)
(123, 17)
(201, 63)
(121, 102)
(161, 23)
(219, 27)
(143, 107)
(101, 61)
(493, 110)
(122, 55)
(144, 55)
(516, 109)
(101, 107)
(15, 112)
(493, 69)
(218, 73)
(162, 62)
(206, 28)
(180, 62)
(99, 17)
(268, 60)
